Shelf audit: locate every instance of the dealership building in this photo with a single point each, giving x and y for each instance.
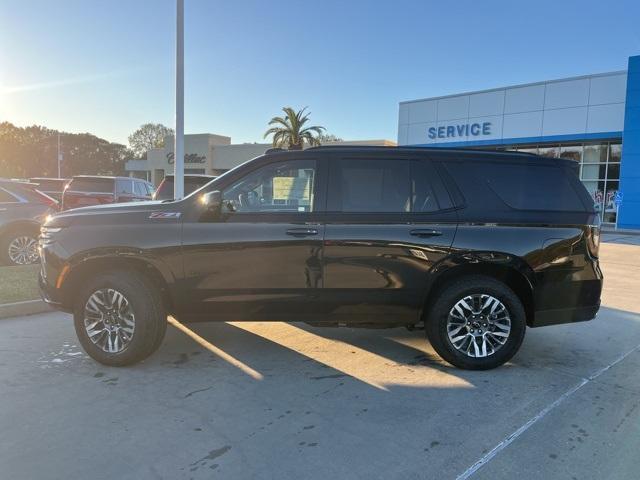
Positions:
(593, 120)
(209, 154)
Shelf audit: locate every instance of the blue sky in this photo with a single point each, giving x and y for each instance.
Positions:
(106, 67)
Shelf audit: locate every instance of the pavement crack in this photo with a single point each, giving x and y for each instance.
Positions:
(197, 391)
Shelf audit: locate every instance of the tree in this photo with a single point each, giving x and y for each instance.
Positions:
(328, 138)
(33, 152)
(148, 136)
(290, 131)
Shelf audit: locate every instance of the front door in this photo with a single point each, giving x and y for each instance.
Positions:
(260, 259)
(389, 221)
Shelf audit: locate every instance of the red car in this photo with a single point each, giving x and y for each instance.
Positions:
(87, 190)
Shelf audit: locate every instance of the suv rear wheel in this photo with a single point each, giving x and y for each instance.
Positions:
(19, 247)
(119, 318)
(476, 323)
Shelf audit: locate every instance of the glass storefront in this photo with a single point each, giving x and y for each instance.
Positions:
(599, 169)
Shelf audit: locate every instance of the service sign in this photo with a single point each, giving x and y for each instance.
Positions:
(460, 130)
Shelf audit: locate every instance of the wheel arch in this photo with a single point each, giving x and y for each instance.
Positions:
(508, 269)
(17, 224)
(91, 264)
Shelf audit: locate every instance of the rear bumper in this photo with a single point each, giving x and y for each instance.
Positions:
(557, 316)
(567, 296)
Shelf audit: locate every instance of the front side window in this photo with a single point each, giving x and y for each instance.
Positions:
(278, 187)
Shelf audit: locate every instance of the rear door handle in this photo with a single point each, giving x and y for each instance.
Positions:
(302, 232)
(425, 232)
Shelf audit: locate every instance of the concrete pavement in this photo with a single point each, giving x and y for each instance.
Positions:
(275, 401)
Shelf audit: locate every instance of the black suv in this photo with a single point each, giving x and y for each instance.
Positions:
(472, 246)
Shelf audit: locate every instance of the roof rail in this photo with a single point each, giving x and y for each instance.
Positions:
(274, 150)
(418, 147)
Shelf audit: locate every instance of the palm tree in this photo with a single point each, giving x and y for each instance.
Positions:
(290, 131)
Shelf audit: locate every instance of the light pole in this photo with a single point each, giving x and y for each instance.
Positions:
(178, 147)
(59, 157)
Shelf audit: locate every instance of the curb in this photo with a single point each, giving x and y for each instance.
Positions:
(620, 232)
(28, 307)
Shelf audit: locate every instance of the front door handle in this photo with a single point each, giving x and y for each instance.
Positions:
(302, 232)
(425, 232)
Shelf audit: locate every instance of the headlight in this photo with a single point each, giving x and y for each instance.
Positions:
(46, 235)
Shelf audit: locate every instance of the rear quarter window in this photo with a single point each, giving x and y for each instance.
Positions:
(523, 186)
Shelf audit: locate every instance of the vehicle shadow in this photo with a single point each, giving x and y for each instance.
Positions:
(385, 359)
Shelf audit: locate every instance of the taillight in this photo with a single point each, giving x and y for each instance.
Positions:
(593, 238)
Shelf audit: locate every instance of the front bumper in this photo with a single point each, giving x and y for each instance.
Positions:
(51, 295)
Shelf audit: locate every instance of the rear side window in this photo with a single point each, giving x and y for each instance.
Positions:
(370, 185)
(428, 194)
(124, 186)
(140, 189)
(91, 185)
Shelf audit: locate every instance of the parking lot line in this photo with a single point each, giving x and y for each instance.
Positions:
(539, 416)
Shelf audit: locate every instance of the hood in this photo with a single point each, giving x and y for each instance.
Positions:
(117, 213)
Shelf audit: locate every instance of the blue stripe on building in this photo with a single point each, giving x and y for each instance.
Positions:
(629, 212)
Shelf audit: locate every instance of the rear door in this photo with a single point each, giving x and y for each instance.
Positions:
(389, 221)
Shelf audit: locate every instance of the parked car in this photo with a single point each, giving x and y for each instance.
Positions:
(52, 187)
(191, 182)
(87, 190)
(472, 246)
(23, 209)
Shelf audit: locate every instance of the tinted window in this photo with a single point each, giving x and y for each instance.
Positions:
(370, 185)
(428, 193)
(140, 189)
(124, 186)
(278, 187)
(519, 186)
(96, 185)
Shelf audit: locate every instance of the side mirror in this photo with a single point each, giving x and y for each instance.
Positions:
(211, 200)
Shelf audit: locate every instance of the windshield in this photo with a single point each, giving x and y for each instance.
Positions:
(165, 190)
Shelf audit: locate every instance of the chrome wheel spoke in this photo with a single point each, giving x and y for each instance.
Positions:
(23, 250)
(109, 320)
(478, 325)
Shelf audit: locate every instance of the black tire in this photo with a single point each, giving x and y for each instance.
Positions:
(8, 237)
(146, 304)
(436, 322)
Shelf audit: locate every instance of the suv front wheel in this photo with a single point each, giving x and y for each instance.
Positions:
(476, 323)
(119, 318)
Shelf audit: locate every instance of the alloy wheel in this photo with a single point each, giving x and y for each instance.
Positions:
(23, 250)
(478, 325)
(109, 320)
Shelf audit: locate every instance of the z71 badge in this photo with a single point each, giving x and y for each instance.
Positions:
(165, 215)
